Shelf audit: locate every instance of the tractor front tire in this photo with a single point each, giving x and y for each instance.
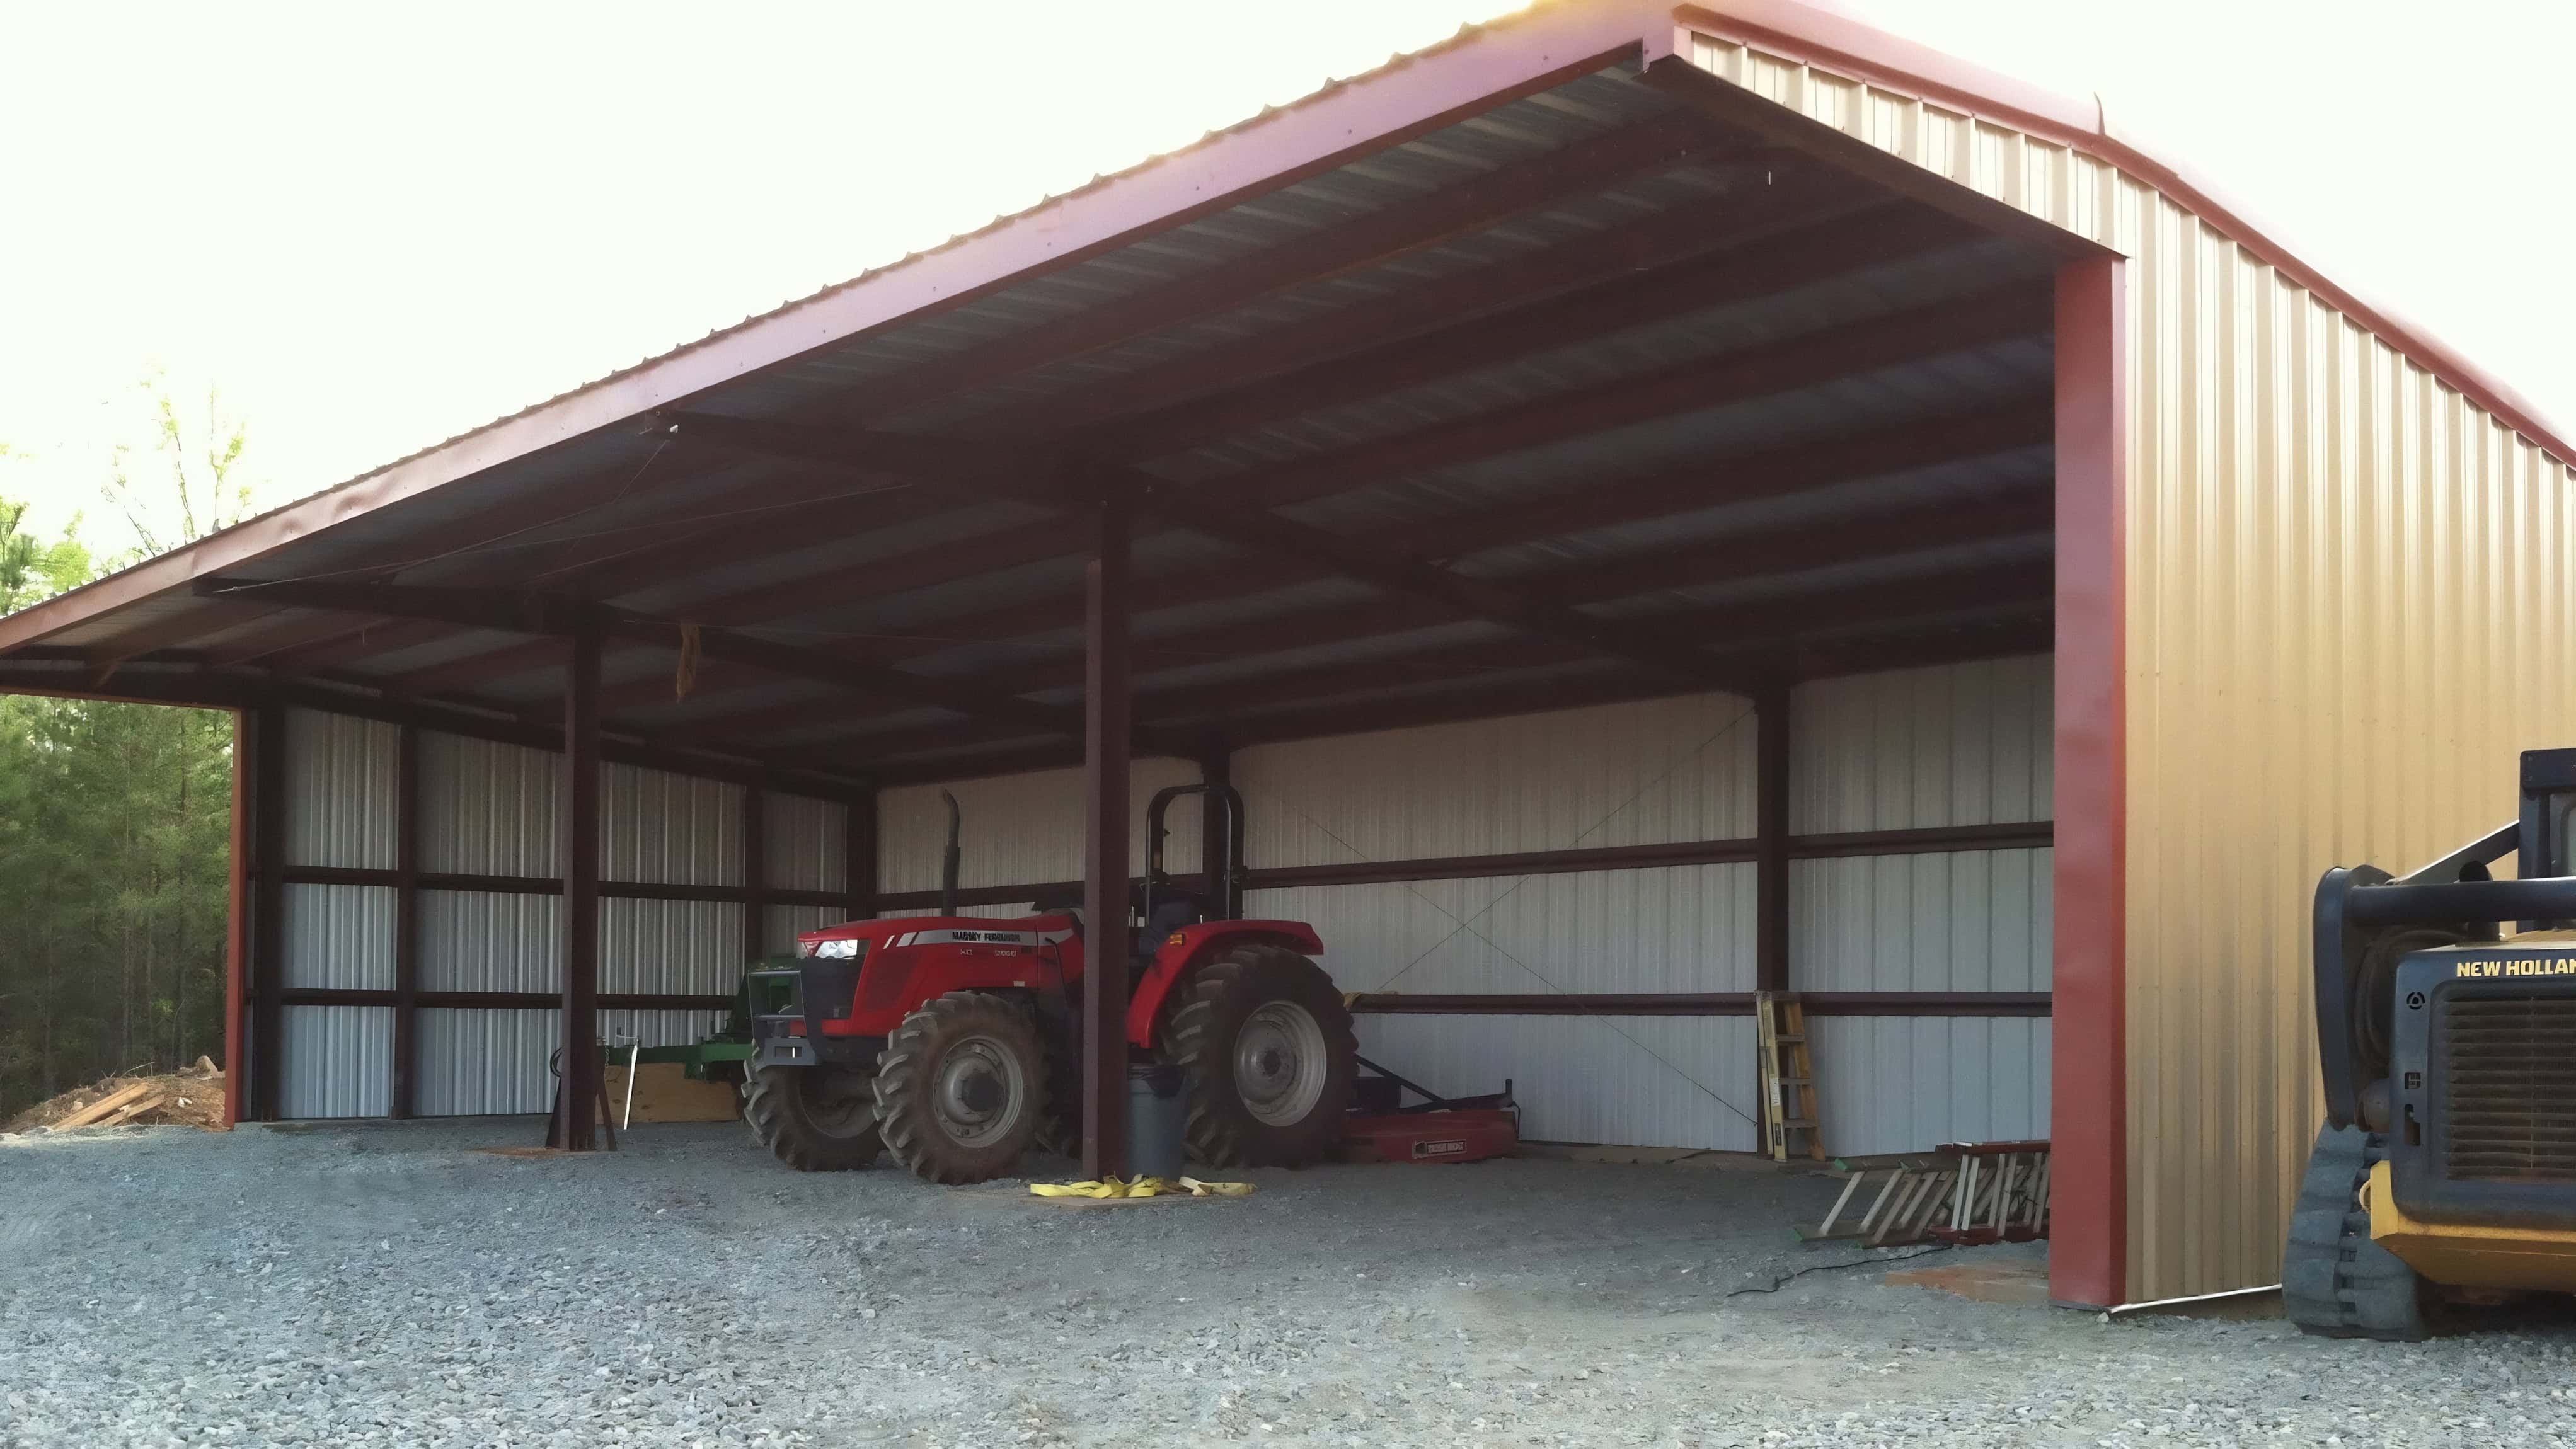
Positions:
(961, 1089)
(814, 1119)
(1267, 1048)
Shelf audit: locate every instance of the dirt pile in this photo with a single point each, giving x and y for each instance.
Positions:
(189, 1097)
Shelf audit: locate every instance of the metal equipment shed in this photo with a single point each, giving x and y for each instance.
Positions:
(1650, 504)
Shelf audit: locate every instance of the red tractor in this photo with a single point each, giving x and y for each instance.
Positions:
(954, 1042)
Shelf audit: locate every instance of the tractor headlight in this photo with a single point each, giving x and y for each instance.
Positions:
(842, 950)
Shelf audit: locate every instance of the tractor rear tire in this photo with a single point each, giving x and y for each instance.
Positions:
(2336, 1282)
(961, 1089)
(814, 1119)
(1267, 1047)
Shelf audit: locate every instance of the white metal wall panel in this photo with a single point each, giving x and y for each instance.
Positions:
(1903, 1084)
(679, 947)
(1955, 744)
(486, 809)
(1674, 928)
(1650, 772)
(781, 925)
(338, 936)
(479, 1062)
(478, 941)
(1972, 921)
(668, 829)
(657, 1028)
(340, 788)
(805, 843)
(1642, 1081)
(337, 1061)
(1021, 829)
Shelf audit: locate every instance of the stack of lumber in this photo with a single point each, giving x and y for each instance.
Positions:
(192, 1096)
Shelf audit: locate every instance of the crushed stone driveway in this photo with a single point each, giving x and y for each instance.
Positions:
(391, 1284)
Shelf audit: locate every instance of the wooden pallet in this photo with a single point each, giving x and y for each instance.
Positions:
(1788, 1077)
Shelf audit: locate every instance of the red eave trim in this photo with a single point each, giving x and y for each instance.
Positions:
(1843, 46)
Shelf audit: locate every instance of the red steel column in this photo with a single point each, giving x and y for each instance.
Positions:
(2089, 1074)
(1105, 740)
(859, 856)
(406, 1094)
(755, 873)
(237, 928)
(1771, 839)
(268, 912)
(577, 1105)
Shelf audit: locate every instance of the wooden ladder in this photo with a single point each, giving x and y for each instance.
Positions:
(1788, 1076)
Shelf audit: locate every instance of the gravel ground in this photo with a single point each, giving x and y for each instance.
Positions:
(385, 1285)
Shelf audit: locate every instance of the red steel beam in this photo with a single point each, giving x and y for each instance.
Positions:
(1374, 237)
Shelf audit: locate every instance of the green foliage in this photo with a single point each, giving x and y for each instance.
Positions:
(115, 819)
(114, 835)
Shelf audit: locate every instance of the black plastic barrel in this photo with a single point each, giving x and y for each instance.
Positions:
(1157, 1114)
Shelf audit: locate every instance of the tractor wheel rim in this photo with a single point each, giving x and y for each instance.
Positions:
(838, 1104)
(979, 1092)
(1280, 1063)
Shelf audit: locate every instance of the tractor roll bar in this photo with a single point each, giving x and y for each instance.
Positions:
(2551, 898)
(1224, 859)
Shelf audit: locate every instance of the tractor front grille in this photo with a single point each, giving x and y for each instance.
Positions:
(2509, 1088)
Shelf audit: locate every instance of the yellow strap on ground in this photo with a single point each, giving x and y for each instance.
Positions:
(1141, 1187)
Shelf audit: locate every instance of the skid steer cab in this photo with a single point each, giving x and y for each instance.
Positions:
(2446, 1027)
(953, 1043)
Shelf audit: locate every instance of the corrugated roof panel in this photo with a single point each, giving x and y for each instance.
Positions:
(1633, 352)
(2003, 374)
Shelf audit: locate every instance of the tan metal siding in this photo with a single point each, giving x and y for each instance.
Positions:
(2350, 595)
(2349, 612)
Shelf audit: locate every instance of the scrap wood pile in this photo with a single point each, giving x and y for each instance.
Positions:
(1963, 1193)
(189, 1097)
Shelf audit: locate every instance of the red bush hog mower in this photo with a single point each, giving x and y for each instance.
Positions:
(954, 1042)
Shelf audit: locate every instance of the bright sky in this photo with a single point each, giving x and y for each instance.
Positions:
(374, 228)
